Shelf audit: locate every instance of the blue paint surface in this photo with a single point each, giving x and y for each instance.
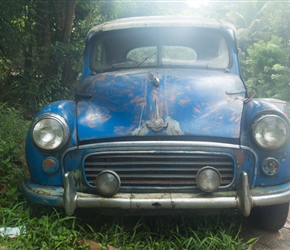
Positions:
(201, 101)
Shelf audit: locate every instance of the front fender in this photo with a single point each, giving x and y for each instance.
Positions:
(252, 110)
(36, 156)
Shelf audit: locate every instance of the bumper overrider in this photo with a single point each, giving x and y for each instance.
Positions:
(243, 199)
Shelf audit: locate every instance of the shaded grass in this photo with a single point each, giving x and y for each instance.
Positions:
(171, 232)
(49, 228)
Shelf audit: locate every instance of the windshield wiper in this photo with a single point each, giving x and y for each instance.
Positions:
(145, 59)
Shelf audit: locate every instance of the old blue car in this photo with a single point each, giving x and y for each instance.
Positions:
(162, 123)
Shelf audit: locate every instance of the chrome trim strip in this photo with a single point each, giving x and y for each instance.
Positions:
(164, 201)
(158, 143)
(63, 155)
(256, 164)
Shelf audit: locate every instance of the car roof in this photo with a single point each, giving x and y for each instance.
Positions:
(160, 21)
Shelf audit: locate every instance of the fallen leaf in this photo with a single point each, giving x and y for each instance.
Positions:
(111, 248)
(3, 189)
(92, 244)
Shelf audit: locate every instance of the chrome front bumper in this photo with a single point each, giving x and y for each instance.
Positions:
(244, 199)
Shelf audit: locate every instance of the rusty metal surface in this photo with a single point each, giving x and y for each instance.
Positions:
(190, 102)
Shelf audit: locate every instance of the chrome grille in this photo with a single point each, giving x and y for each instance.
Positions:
(158, 170)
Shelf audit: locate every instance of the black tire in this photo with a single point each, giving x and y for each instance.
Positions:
(270, 218)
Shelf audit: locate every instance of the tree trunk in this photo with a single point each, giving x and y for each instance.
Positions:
(65, 11)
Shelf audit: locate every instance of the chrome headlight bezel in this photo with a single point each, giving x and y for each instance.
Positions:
(50, 131)
(270, 131)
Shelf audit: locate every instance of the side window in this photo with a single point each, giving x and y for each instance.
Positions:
(147, 55)
(99, 55)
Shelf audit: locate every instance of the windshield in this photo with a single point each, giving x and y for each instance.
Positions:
(156, 47)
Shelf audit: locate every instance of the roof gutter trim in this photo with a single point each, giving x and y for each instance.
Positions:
(160, 21)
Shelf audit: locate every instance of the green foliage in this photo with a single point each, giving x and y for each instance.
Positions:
(36, 88)
(47, 228)
(12, 133)
(276, 20)
(266, 69)
(37, 64)
(124, 8)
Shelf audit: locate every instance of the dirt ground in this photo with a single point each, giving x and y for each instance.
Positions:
(267, 240)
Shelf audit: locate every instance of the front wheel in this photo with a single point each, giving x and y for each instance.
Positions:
(270, 218)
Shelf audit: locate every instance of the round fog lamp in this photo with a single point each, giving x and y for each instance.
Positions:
(208, 179)
(108, 183)
(270, 166)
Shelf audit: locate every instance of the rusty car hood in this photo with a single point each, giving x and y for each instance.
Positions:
(160, 102)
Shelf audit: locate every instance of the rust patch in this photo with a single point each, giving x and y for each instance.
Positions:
(238, 119)
(183, 101)
(196, 110)
(79, 110)
(232, 118)
(235, 119)
(212, 111)
(121, 130)
(77, 177)
(102, 77)
(48, 164)
(155, 95)
(139, 101)
(240, 158)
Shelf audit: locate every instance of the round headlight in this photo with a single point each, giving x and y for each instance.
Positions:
(50, 131)
(270, 132)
